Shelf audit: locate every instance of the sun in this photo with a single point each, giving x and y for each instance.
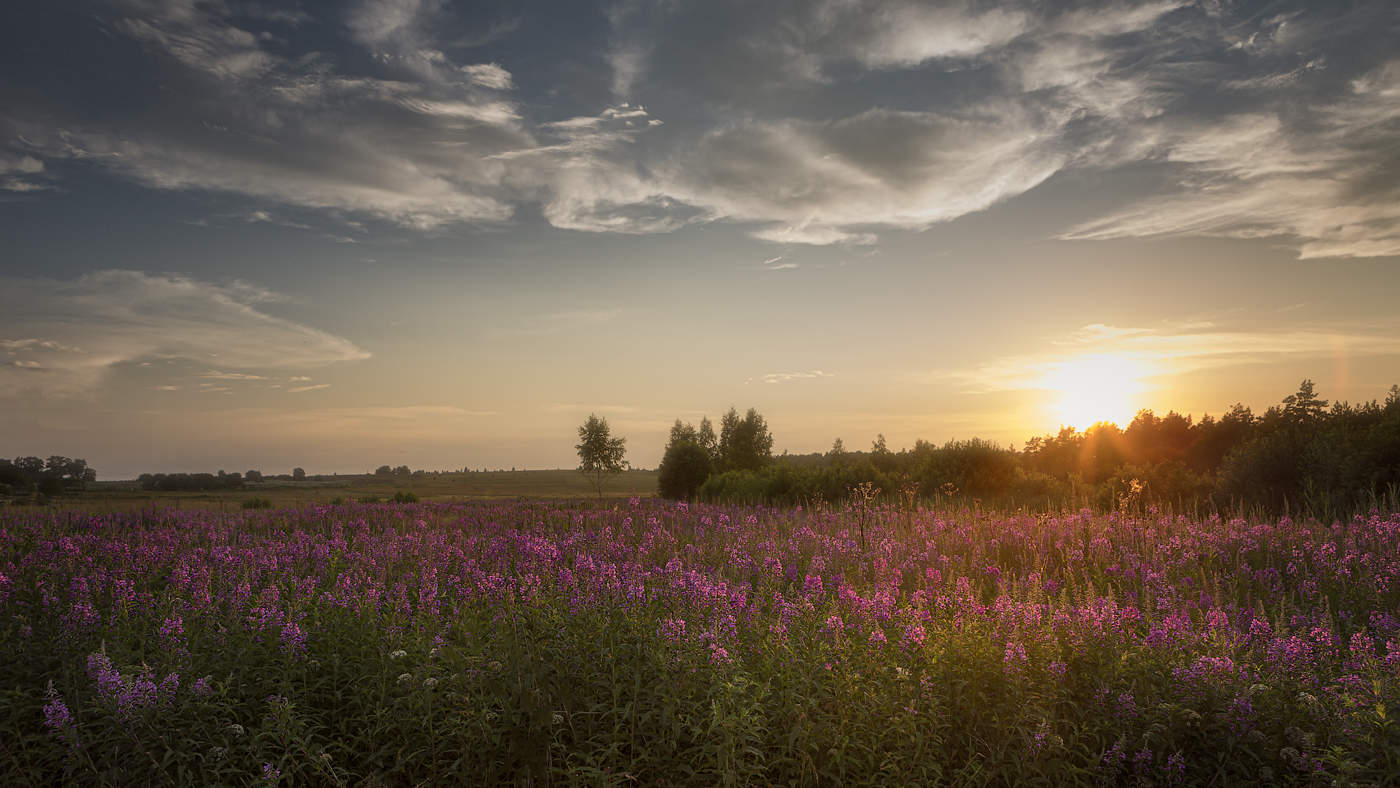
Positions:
(1088, 389)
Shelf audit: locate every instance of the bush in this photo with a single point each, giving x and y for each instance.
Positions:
(257, 503)
(404, 496)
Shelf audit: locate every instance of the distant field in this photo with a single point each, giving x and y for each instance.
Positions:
(122, 496)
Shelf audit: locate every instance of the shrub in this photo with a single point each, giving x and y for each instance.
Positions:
(404, 496)
(257, 503)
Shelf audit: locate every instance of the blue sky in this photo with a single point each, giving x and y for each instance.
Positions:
(241, 234)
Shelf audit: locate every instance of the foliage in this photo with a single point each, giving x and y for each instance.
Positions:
(53, 476)
(257, 503)
(1300, 456)
(685, 466)
(599, 453)
(660, 643)
(744, 443)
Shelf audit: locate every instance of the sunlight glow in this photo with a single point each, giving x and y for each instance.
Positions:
(1094, 388)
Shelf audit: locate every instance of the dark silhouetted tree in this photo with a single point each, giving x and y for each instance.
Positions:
(685, 466)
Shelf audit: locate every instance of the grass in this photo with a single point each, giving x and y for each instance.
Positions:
(321, 490)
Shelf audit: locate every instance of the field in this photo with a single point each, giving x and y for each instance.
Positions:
(643, 642)
(322, 490)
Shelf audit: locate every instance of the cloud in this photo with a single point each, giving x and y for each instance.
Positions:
(1138, 354)
(1260, 175)
(18, 172)
(410, 147)
(314, 387)
(784, 377)
(76, 331)
(818, 123)
(217, 375)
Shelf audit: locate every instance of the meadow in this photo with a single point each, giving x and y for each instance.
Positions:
(637, 641)
(326, 490)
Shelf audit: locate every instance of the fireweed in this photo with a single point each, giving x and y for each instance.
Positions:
(664, 643)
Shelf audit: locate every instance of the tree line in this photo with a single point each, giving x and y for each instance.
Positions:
(56, 475)
(1300, 454)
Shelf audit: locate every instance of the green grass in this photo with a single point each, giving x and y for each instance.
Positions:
(322, 490)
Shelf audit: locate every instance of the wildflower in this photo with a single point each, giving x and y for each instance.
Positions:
(833, 627)
(57, 716)
(404, 678)
(429, 683)
(673, 629)
(1014, 659)
(271, 773)
(169, 686)
(877, 638)
(235, 729)
(294, 639)
(1176, 768)
(914, 636)
(172, 629)
(719, 655)
(201, 686)
(398, 654)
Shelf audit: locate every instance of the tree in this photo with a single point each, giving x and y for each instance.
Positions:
(684, 468)
(744, 444)
(299, 474)
(837, 453)
(252, 476)
(599, 453)
(383, 470)
(1304, 407)
(682, 432)
(707, 439)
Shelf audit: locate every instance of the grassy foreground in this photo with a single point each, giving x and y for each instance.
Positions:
(654, 643)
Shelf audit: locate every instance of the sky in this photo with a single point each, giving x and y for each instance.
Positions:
(337, 235)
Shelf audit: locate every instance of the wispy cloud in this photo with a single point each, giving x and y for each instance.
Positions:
(1140, 355)
(798, 121)
(313, 387)
(785, 377)
(78, 330)
(779, 264)
(215, 374)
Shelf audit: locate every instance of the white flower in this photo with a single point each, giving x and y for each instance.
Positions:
(398, 654)
(404, 678)
(235, 729)
(429, 683)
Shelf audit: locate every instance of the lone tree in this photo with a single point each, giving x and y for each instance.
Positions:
(599, 453)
